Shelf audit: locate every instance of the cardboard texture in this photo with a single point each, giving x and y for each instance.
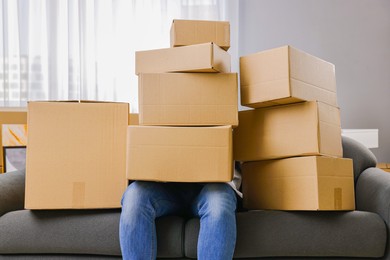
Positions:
(299, 183)
(14, 141)
(306, 128)
(133, 119)
(384, 166)
(76, 155)
(14, 134)
(10, 116)
(179, 154)
(189, 32)
(206, 57)
(286, 75)
(188, 99)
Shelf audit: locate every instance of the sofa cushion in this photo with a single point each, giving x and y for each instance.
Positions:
(12, 191)
(302, 234)
(78, 232)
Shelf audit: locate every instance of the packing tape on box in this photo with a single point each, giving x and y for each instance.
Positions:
(338, 202)
(78, 194)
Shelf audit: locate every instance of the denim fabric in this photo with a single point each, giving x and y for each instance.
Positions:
(213, 203)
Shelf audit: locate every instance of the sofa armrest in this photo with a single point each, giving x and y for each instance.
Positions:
(11, 191)
(362, 157)
(373, 192)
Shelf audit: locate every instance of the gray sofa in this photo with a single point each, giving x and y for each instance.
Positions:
(93, 234)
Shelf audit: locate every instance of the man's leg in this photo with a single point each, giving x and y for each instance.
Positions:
(216, 205)
(142, 203)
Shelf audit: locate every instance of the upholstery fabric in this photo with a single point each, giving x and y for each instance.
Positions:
(303, 234)
(12, 191)
(78, 232)
(57, 257)
(373, 194)
(84, 234)
(362, 157)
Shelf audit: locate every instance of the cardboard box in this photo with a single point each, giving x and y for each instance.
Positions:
(76, 155)
(286, 75)
(306, 128)
(299, 183)
(14, 141)
(189, 32)
(14, 135)
(188, 99)
(10, 116)
(206, 57)
(179, 154)
(384, 166)
(133, 119)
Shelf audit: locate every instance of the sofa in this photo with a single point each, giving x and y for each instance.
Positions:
(261, 234)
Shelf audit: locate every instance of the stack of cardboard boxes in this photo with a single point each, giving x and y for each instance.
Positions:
(290, 143)
(187, 107)
(77, 150)
(82, 154)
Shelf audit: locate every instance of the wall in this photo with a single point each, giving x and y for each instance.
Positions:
(352, 34)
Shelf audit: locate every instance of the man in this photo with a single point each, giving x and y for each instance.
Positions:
(214, 203)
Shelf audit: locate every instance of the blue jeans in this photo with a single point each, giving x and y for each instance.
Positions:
(213, 203)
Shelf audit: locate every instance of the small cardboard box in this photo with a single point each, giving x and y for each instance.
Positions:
(306, 128)
(179, 154)
(76, 155)
(10, 116)
(206, 57)
(190, 32)
(188, 99)
(14, 141)
(299, 183)
(384, 166)
(286, 75)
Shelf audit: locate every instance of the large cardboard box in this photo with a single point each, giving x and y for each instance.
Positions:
(299, 183)
(10, 116)
(76, 155)
(179, 154)
(180, 99)
(286, 75)
(306, 128)
(206, 57)
(189, 32)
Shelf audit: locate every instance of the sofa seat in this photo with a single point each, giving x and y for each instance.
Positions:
(302, 234)
(260, 234)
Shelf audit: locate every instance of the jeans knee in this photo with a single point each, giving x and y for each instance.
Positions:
(218, 200)
(137, 196)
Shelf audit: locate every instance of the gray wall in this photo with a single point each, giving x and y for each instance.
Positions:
(352, 34)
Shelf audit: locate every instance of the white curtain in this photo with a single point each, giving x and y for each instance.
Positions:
(84, 49)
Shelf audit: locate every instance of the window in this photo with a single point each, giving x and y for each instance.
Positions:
(84, 49)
